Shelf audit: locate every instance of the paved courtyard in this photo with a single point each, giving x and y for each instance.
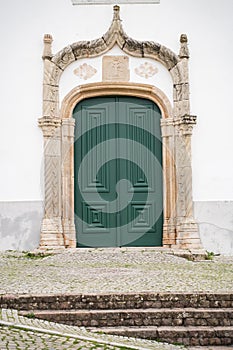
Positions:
(112, 270)
(99, 271)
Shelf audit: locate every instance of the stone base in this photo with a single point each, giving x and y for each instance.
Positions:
(187, 236)
(51, 240)
(69, 234)
(169, 234)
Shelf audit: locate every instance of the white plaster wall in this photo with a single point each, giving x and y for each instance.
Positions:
(20, 225)
(208, 25)
(215, 221)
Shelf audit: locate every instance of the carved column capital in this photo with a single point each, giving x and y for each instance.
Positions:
(186, 123)
(167, 127)
(48, 125)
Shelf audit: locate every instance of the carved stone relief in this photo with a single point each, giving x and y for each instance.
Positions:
(146, 70)
(85, 71)
(115, 68)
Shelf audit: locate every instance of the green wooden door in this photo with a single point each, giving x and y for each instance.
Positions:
(118, 172)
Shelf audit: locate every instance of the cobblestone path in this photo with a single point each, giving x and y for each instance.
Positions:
(99, 271)
(112, 270)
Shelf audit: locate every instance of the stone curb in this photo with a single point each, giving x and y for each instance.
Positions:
(14, 314)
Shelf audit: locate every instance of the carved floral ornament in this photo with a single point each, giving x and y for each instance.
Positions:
(58, 228)
(85, 71)
(146, 70)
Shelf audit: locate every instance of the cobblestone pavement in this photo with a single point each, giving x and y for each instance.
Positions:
(99, 271)
(112, 270)
(19, 333)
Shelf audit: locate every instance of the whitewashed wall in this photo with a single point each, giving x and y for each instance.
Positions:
(208, 25)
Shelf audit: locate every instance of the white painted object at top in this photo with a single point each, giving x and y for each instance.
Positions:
(112, 2)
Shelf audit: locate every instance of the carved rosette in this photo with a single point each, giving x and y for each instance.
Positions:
(85, 71)
(146, 70)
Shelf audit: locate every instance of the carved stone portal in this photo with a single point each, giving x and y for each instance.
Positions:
(58, 230)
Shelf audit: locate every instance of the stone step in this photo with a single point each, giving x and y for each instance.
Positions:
(189, 336)
(117, 301)
(139, 317)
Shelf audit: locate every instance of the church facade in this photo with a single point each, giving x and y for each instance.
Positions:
(121, 160)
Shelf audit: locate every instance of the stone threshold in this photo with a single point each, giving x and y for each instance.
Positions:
(190, 254)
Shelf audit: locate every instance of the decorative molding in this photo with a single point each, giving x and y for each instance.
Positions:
(146, 70)
(114, 35)
(118, 89)
(48, 125)
(85, 71)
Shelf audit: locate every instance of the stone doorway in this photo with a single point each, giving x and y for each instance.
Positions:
(179, 227)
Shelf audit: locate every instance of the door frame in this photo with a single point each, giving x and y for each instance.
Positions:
(148, 92)
(114, 92)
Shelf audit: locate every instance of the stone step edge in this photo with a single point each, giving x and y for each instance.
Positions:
(118, 294)
(128, 311)
(191, 335)
(166, 328)
(67, 334)
(116, 300)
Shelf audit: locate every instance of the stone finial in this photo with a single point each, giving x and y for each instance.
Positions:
(184, 51)
(116, 13)
(48, 39)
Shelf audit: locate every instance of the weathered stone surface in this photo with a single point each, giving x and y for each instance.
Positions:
(50, 93)
(184, 51)
(167, 57)
(91, 48)
(115, 68)
(50, 109)
(47, 54)
(52, 73)
(64, 57)
(181, 92)
(151, 49)
(133, 47)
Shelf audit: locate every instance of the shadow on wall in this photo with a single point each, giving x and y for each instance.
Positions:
(215, 221)
(20, 224)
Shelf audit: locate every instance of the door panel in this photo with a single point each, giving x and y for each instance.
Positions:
(118, 172)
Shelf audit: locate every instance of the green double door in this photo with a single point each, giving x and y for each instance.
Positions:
(118, 172)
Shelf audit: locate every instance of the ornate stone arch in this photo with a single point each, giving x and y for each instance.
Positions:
(180, 229)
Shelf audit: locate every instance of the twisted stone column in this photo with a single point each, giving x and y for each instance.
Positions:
(51, 229)
(68, 182)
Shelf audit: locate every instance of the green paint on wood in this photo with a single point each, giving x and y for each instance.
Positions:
(118, 172)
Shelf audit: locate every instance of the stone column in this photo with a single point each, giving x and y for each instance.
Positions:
(169, 193)
(51, 230)
(68, 182)
(187, 235)
(187, 228)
